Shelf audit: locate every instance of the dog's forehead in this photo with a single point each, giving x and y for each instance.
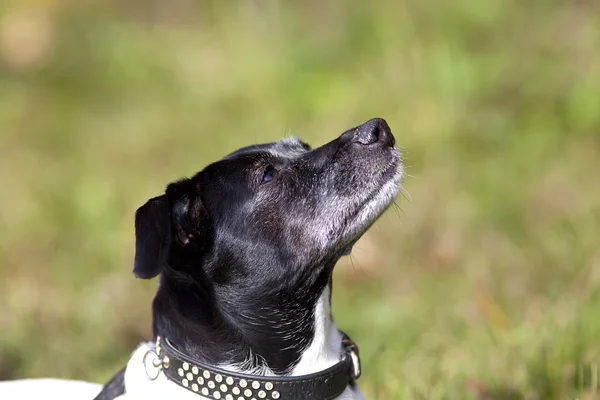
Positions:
(290, 147)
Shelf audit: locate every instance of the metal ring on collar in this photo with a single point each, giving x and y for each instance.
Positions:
(152, 366)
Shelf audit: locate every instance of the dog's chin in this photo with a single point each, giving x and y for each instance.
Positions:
(375, 204)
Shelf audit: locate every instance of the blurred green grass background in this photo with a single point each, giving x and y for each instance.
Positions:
(483, 283)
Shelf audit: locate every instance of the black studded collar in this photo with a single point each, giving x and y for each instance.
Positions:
(215, 383)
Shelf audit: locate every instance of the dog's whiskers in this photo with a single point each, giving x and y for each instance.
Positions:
(356, 269)
(404, 192)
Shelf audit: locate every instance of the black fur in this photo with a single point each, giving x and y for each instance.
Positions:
(246, 246)
(114, 388)
(153, 237)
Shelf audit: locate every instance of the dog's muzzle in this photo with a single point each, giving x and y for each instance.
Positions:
(216, 383)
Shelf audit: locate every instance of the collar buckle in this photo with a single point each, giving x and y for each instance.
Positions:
(352, 351)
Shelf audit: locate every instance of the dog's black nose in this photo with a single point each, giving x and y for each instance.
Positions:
(374, 132)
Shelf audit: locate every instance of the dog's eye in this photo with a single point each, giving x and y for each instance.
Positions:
(270, 174)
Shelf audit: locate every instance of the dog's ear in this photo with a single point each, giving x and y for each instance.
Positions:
(152, 237)
(175, 218)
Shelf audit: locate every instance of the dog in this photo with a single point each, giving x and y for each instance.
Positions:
(244, 251)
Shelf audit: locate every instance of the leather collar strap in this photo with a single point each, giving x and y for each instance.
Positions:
(216, 383)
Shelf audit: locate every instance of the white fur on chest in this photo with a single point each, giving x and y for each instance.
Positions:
(323, 352)
(326, 346)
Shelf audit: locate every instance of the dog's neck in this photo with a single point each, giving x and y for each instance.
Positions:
(291, 334)
(326, 346)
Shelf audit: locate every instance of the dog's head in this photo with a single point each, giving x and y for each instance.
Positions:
(272, 213)
(246, 247)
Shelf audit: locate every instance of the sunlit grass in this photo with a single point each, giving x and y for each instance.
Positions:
(483, 283)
